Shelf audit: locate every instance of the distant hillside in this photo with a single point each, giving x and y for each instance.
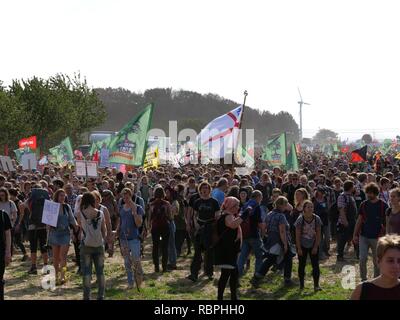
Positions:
(190, 109)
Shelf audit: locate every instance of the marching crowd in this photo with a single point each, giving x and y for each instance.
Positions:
(221, 216)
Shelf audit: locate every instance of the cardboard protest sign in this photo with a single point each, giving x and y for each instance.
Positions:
(50, 213)
(80, 168)
(91, 167)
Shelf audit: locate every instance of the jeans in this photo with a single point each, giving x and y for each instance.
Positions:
(131, 252)
(365, 244)
(344, 234)
(91, 255)
(264, 212)
(180, 236)
(271, 260)
(160, 238)
(2, 270)
(315, 266)
(197, 258)
(171, 244)
(254, 244)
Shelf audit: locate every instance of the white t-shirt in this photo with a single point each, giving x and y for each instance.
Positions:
(9, 207)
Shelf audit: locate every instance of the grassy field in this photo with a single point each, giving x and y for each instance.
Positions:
(173, 285)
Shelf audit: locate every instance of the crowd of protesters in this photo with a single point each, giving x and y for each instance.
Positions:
(323, 209)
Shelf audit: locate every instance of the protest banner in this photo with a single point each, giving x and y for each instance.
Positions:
(50, 213)
(29, 161)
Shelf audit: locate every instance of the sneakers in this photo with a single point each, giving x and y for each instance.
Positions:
(172, 267)
(192, 278)
(156, 269)
(317, 288)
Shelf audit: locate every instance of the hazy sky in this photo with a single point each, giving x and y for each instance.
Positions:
(344, 55)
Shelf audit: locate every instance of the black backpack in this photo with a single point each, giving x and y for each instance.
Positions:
(38, 197)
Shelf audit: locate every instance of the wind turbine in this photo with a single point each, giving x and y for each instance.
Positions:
(301, 102)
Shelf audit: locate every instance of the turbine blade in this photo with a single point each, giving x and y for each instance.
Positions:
(301, 98)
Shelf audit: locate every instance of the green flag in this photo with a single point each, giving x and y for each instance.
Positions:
(292, 162)
(387, 145)
(20, 152)
(328, 149)
(275, 151)
(244, 157)
(335, 147)
(63, 152)
(129, 145)
(98, 145)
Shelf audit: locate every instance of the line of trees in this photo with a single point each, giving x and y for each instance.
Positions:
(190, 110)
(51, 109)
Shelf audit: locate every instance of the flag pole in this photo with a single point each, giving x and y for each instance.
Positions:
(245, 93)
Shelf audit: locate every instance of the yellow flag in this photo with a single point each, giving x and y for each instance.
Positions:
(152, 160)
(398, 156)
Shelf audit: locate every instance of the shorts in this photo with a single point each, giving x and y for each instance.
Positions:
(36, 236)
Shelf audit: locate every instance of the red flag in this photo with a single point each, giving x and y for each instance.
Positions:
(298, 148)
(345, 149)
(96, 156)
(28, 142)
(359, 155)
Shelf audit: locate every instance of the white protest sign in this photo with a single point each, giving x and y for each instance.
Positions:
(6, 163)
(80, 167)
(50, 213)
(104, 156)
(242, 171)
(91, 167)
(29, 161)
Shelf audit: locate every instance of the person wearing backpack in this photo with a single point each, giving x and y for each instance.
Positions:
(179, 219)
(308, 236)
(347, 218)
(333, 211)
(393, 213)
(130, 220)
(172, 198)
(277, 244)
(5, 247)
(206, 211)
(252, 232)
(94, 233)
(369, 227)
(36, 229)
(159, 218)
(18, 231)
(228, 243)
(60, 237)
(320, 203)
(7, 205)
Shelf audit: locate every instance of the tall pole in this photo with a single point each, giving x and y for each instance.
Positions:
(245, 93)
(301, 120)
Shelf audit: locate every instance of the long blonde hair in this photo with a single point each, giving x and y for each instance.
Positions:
(305, 194)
